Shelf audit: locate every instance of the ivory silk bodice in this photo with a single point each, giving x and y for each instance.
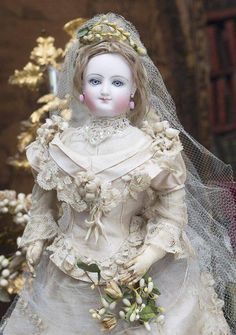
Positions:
(107, 178)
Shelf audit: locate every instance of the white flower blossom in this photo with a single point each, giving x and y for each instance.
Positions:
(5, 263)
(126, 302)
(5, 273)
(132, 317)
(3, 282)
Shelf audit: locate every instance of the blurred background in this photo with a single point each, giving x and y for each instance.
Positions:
(193, 43)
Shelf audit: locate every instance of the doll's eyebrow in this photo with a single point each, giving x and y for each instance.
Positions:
(115, 76)
(94, 74)
(118, 76)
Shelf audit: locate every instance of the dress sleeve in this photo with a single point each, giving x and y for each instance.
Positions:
(42, 217)
(167, 215)
(43, 214)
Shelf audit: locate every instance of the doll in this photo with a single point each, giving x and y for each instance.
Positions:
(120, 192)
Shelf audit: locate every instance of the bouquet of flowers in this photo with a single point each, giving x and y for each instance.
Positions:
(130, 302)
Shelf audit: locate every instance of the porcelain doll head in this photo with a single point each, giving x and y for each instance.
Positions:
(108, 85)
(110, 75)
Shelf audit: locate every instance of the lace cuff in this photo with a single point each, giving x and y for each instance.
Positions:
(40, 227)
(166, 228)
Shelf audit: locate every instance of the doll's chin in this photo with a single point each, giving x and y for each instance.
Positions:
(107, 113)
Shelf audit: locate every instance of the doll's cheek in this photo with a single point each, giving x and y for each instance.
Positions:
(121, 104)
(89, 100)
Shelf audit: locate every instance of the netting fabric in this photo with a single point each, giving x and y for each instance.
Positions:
(210, 190)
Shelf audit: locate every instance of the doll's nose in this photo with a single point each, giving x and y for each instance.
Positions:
(105, 89)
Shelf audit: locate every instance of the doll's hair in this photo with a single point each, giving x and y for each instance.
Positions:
(133, 59)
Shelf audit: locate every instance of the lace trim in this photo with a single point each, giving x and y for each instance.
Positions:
(98, 130)
(166, 216)
(85, 191)
(212, 321)
(65, 256)
(35, 320)
(51, 177)
(167, 236)
(40, 227)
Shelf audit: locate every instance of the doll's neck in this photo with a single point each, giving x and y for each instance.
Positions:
(107, 119)
(98, 129)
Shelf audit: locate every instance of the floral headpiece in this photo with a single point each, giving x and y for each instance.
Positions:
(105, 30)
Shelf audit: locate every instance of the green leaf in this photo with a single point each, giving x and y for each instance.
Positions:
(82, 32)
(147, 313)
(127, 315)
(156, 291)
(90, 268)
(128, 296)
(153, 306)
(146, 276)
(151, 302)
(109, 299)
(4, 296)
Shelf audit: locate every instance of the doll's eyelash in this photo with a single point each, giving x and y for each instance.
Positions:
(94, 81)
(118, 83)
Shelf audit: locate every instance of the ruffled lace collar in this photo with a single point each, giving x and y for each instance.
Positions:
(99, 129)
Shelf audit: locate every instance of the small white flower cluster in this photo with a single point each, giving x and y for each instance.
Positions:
(166, 138)
(136, 303)
(137, 181)
(17, 205)
(5, 272)
(51, 126)
(9, 269)
(135, 310)
(89, 185)
(21, 217)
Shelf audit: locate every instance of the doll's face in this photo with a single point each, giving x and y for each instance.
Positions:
(108, 85)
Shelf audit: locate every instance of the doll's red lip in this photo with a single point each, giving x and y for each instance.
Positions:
(104, 99)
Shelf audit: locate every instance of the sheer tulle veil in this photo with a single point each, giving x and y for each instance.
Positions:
(210, 189)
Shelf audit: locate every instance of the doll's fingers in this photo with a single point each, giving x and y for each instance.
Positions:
(125, 277)
(28, 251)
(130, 263)
(133, 279)
(30, 260)
(29, 263)
(123, 272)
(136, 280)
(31, 268)
(131, 268)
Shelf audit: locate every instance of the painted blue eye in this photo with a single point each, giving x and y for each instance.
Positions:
(117, 83)
(94, 82)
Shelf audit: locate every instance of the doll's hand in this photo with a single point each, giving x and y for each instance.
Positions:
(33, 255)
(140, 264)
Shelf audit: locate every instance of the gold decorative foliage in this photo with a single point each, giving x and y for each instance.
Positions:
(16, 285)
(105, 30)
(71, 26)
(29, 127)
(31, 76)
(46, 53)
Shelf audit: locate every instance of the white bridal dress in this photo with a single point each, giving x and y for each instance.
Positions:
(102, 193)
